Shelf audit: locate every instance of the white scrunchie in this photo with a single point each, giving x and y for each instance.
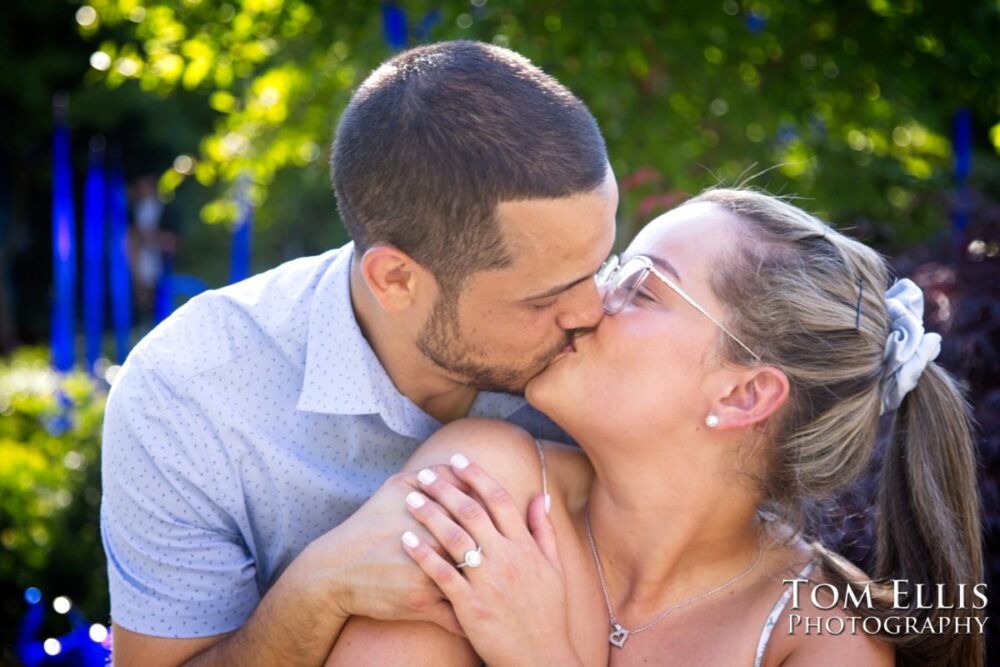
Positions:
(908, 349)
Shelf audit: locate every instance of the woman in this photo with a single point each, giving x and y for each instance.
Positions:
(740, 376)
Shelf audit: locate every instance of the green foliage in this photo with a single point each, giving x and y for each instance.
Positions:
(49, 487)
(853, 101)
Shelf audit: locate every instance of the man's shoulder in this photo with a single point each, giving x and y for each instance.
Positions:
(539, 425)
(220, 326)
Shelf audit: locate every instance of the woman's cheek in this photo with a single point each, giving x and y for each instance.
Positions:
(626, 336)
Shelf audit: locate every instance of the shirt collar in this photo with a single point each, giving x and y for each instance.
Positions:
(343, 375)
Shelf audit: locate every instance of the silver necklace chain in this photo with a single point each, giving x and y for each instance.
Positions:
(619, 634)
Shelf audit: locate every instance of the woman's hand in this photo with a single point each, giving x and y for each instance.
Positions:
(513, 605)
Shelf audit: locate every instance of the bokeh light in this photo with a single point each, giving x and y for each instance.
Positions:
(62, 604)
(86, 16)
(32, 595)
(183, 164)
(98, 632)
(100, 61)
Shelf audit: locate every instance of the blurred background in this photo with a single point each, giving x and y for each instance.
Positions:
(151, 149)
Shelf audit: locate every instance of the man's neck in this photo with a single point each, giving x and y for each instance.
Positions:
(413, 375)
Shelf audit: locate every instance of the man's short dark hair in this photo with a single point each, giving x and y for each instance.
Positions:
(439, 135)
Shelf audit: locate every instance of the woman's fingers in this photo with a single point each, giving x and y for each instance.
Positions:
(443, 573)
(464, 509)
(443, 614)
(455, 540)
(543, 531)
(506, 515)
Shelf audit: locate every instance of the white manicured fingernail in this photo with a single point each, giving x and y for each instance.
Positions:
(415, 499)
(426, 476)
(410, 540)
(548, 503)
(460, 461)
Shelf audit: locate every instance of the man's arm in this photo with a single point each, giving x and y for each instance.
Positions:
(183, 583)
(132, 648)
(358, 568)
(293, 625)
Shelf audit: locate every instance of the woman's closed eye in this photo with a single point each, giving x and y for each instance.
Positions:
(647, 295)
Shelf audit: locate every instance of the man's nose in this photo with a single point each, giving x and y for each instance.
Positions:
(583, 308)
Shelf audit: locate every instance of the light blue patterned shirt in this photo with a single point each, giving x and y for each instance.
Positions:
(249, 423)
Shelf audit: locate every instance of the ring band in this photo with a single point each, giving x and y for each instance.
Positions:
(473, 559)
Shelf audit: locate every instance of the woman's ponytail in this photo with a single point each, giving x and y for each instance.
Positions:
(928, 518)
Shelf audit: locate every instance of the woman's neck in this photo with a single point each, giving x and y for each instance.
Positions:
(669, 530)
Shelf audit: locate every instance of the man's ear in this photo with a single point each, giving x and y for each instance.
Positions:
(393, 277)
(756, 395)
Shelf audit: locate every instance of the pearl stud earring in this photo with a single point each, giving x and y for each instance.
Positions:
(711, 421)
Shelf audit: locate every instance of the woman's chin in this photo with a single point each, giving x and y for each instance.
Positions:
(531, 390)
(543, 390)
(549, 393)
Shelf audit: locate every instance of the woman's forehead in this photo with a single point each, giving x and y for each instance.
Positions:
(687, 235)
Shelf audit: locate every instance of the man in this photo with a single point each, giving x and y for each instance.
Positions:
(244, 432)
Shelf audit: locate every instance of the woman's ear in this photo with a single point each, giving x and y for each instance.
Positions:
(392, 277)
(756, 395)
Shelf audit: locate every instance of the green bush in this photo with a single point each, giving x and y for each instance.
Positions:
(50, 428)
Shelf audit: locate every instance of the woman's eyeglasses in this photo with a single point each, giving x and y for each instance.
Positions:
(621, 282)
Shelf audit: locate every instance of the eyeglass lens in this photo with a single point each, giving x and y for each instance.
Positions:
(623, 284)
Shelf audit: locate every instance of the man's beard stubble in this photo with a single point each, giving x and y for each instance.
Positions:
(441, 342)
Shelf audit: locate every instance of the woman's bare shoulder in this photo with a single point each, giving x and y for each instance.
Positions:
(504, 450)
(488, 440)
(837, 637)
(509, 454)
(819, 631)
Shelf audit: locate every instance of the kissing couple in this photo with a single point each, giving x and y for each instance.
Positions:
(470, 436)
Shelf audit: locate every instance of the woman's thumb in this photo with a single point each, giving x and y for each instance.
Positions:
(542, 529)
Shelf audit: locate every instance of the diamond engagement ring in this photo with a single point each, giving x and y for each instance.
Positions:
(473, 558)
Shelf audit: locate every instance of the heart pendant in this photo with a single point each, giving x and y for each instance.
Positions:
(618, 636)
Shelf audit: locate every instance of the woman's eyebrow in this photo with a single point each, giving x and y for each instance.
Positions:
(664, 265)
(659, 263)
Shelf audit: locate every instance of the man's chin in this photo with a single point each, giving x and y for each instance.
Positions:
(505, 382)
(501, 380)
(495, 388)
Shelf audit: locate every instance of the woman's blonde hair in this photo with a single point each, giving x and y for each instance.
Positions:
(811, 302)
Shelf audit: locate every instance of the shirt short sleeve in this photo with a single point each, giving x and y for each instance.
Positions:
(177, 563)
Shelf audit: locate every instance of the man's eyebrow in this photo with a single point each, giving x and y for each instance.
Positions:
(562, 288)
(664, 265)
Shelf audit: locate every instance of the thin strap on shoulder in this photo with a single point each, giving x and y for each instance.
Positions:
(541, 458)
(772, 619)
